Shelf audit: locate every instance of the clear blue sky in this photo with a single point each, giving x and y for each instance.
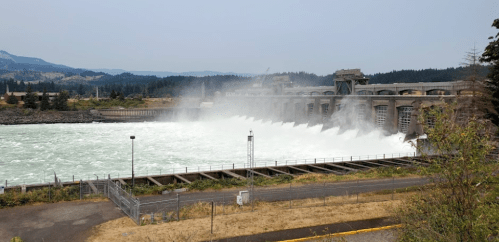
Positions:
(248, 36)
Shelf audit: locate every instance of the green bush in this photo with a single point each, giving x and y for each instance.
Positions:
(14, 197)
(12, 99)
(16, 239)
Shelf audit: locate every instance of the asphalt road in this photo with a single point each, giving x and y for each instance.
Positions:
(64, 221)
(169, 201)
(288, 234)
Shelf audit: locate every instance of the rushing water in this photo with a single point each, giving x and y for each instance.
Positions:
(32, 153)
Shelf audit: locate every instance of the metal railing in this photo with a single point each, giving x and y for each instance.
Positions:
(179, 170)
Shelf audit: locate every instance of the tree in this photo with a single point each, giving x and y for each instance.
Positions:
(80, 90)
(45, 105)
(121, 97)
(61, 101)
(460, 206)
(12, 99)
(113, 95)
(476, 100)
(491, 56)
(30, 98)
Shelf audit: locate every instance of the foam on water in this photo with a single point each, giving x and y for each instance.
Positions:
(29, 152)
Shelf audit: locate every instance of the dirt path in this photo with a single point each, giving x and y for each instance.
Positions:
(233, 225)
(65, 221)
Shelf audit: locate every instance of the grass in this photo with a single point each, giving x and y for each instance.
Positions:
(267, 217)
(15, 197)
(106, 104)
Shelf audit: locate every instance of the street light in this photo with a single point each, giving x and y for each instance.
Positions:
(133, 177)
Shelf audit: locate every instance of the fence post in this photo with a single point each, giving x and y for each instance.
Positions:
(358, 191)
(80, 189)
(186, 169)
(212, 208)
(324, 193)
(232, 166)
(138, 213)
(178, 209)
(315, 160)
(393, 186)
(289, 195)
(49, 193)
(223, 204)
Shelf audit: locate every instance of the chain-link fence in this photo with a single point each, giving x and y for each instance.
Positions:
(195, 205)
(124, 200)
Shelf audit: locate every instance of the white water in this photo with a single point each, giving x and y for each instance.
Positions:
(31, 153)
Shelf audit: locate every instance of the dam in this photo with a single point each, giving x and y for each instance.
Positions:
(351, 119)
(390, 107)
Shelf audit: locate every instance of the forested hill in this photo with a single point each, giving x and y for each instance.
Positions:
(426, 75)
(153, 86)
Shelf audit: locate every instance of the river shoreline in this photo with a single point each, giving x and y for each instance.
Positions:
(20, 116)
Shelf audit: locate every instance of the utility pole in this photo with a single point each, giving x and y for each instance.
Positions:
(251, 161)
(133, 177)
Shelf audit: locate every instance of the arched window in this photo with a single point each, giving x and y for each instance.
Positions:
(386, 92)
(411, 92)
(438, 92)
(365, 92)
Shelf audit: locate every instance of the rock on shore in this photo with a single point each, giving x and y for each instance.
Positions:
(29, 116)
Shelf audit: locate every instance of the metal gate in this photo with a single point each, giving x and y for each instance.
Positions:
(124, 200)
(381, 112)
(404, 118)
(361, 112)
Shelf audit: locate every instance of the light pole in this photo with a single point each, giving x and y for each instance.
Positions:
(133, 177)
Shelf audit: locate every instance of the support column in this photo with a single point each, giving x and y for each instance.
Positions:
(316, 117)
(369, 110)
(391, 117)
(415, 129)
(328, 122)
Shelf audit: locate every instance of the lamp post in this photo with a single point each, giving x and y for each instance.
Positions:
(133, 177)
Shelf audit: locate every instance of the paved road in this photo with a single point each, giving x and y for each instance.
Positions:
(325, 229)
(376, 236)
(168, 202)
(65, 221)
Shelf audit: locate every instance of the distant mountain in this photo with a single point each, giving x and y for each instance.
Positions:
(11, 62)
(168, 73)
